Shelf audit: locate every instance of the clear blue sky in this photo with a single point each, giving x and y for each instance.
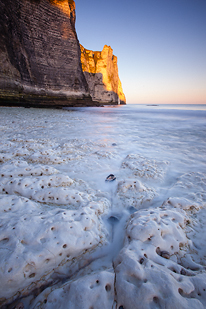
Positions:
(160, 45)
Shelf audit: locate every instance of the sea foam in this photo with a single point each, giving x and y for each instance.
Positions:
(68, 239)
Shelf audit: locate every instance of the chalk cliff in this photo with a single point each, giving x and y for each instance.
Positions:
(40, 54)
(101, 72)
(40, 58)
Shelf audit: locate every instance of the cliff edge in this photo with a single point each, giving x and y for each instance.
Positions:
(101, 72)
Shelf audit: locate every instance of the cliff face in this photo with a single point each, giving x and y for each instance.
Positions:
(101, 72)
(40, 58)
(40, 54)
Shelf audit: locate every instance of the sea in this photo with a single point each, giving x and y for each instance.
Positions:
(106, 200)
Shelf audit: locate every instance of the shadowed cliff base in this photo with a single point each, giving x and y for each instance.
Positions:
(17, 95)
(26, 96)
(40, 101)
(99, 91)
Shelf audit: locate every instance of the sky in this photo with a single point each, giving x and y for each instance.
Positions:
(160, 46)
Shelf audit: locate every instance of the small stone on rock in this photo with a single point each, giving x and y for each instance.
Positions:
(110, 178)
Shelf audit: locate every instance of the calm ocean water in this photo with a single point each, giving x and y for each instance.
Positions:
(166, 110)
(147, 111)
(172, 106)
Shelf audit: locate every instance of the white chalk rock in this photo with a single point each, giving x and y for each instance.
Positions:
(5, 157)
(37, 242)
(53, 153)
(153, 270)
(47, 188)
(191, 186)
(181, 203)
(13, 149)
(105, 154)
(47, 156)
(132, 193)
(92, 291)
(6, 151)
(196, 231)
(21, 168)
(144, 167)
